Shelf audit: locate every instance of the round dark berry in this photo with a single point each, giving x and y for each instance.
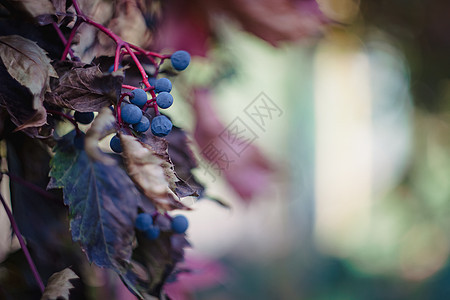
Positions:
(180, 224)
(180, 60)
(164, 100)
(152, 232)
(163, 85)
(152, 81)
(161, 126)
(143, 221)
(111, 69)
(139, 97)
(163, 222)
(143, 125)
(131, 114)
(84, 117)
(115, 144)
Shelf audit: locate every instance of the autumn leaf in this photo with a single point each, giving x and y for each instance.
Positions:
(84, 87)
(28, 76)
(184, 162)
(153, 262)
(60, 8)
(161, 148)
(103, 125)
(18, 101)
(129, 23)
(59, 285)
(29, 64)
(37, 9)
(102, 202)
(149, 172)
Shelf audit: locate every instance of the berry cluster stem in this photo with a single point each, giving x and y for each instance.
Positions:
(129, 49)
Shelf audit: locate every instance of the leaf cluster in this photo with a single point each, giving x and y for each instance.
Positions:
(60, 192)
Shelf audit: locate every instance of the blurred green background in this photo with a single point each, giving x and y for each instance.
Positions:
(358, 205)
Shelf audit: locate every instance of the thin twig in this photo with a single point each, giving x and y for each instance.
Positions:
(23, 245)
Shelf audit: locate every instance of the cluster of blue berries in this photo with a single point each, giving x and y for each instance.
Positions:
(132, 113)
(145, 223)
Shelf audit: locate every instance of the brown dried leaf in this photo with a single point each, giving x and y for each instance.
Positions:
(103, 125)
(161, 148)
(60, 5)
(59, 285)
(184, 162)
(38, 119)
(85, 88)
(60, 9)
(149, 172)
(33, 8)
(129, 23)
(29, 64)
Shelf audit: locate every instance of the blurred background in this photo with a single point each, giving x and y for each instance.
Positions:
(355, 127)
(322, 131)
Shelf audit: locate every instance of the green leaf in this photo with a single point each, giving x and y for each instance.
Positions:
(59, 285)
(102, 204)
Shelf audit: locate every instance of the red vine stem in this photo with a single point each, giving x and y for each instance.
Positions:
(117, 58)
(23, 245)
(63, 38)
(138, 64)
(128, 87)
(70, 39)
(118, 108)
(120, 43)
(30, 185)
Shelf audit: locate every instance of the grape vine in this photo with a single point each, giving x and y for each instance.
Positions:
(118, 202)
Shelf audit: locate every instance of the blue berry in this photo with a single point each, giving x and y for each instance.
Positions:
(163, 85)
(161, 126)
(115, 144)
(111, 69)
(131, 114)
(164, 100)
(143, 222)
(152, 81)
(163, 222)
(152, 232)
(78, 141)
(139, 97)
(143, 125)
(180, 224)
(84, 117)
(180, 60)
